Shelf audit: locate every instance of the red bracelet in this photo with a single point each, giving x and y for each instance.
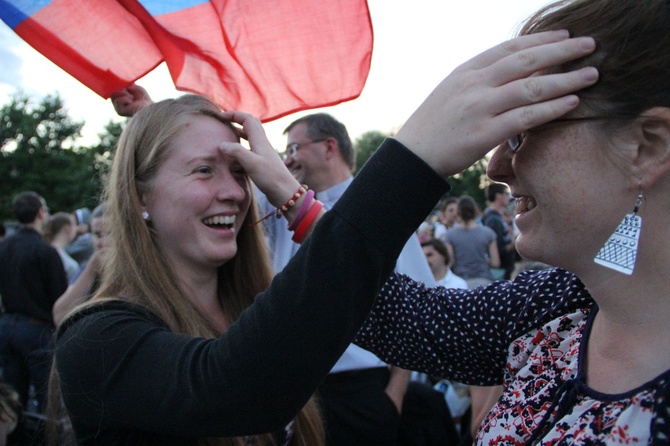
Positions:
(303, 210)
(285, 207)
(307, 222)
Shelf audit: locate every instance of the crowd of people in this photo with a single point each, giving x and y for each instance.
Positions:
(223, 294)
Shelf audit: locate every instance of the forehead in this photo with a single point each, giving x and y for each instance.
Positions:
(200, 135)
(297, 132)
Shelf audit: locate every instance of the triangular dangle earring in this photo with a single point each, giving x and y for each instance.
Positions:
(620, 250)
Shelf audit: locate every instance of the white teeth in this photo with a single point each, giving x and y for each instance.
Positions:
(525, 204)
(220, 220)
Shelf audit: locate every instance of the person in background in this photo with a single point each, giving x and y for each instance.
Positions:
(438, 259)
(60, 231)
(81, 247)
(498, 198)
(86, 283)
(447, 217)
(473, 246)
(32, 277)
(425, 231)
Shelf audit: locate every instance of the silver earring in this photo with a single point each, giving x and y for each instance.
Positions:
(145, 215)
(620, 250)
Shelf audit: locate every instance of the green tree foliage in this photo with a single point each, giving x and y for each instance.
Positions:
(38, 152)
(472, 181)
(366, 145)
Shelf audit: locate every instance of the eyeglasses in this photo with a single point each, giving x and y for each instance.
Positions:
(293, 148)
(514, 143)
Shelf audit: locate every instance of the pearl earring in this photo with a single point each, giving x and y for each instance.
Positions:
(145, 215)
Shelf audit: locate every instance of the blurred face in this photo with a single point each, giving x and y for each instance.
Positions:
(309, 161)
(450, 214)
(199, 198)
(436, 261)
(503, 199)
(99, 232)
(71, 230)
(570, 183)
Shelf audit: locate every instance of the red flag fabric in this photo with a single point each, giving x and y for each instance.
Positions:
(269, 58)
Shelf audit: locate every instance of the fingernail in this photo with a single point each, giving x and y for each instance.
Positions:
(587, 43)
(590, 74)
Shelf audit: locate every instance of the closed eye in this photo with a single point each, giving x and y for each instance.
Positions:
(203, 169)
(238, 170)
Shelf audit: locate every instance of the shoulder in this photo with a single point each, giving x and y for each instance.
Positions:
(94, 320)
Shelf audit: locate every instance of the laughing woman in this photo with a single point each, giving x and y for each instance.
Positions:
(582, 350)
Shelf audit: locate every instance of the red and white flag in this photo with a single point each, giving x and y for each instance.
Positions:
(266, 57)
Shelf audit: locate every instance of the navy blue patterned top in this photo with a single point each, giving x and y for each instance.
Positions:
(529, 335)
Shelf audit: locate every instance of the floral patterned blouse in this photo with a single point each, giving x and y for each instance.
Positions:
(529, 334)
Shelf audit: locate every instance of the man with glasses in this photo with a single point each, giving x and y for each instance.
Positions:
(32, 277)
(362, 397)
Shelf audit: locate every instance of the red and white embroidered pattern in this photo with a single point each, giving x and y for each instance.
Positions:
(538, 364)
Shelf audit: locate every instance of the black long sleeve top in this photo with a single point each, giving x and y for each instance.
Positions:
(126, 379)
(32, 275)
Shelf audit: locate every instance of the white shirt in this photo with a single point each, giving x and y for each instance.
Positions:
(451, 280)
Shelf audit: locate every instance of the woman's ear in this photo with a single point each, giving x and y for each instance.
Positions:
(653, 156)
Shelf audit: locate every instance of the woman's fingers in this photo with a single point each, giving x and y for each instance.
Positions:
(262, 163)
(479, 105)
(513, 46)
(536, 100)
(538, 59)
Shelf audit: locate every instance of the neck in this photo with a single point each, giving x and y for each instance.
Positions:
(36, 226)
(200, 286)
(496, 207)
(332, 177)
(440, 274)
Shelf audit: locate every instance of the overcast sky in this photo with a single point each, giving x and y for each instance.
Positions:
(417, 44)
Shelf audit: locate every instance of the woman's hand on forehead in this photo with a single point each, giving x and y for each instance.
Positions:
(499, 93)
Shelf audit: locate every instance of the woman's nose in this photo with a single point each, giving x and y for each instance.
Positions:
(500, 165)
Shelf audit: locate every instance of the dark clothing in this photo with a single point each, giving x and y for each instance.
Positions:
(357, 410)
(32, 275)
(426, 420)
(25, 356)
(495, 221)
(126, 378)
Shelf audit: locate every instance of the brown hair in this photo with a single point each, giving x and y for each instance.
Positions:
(321, 126)
(56, 223)
(632, 54)
(439, 246)
(467, 208)
(137, 272)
